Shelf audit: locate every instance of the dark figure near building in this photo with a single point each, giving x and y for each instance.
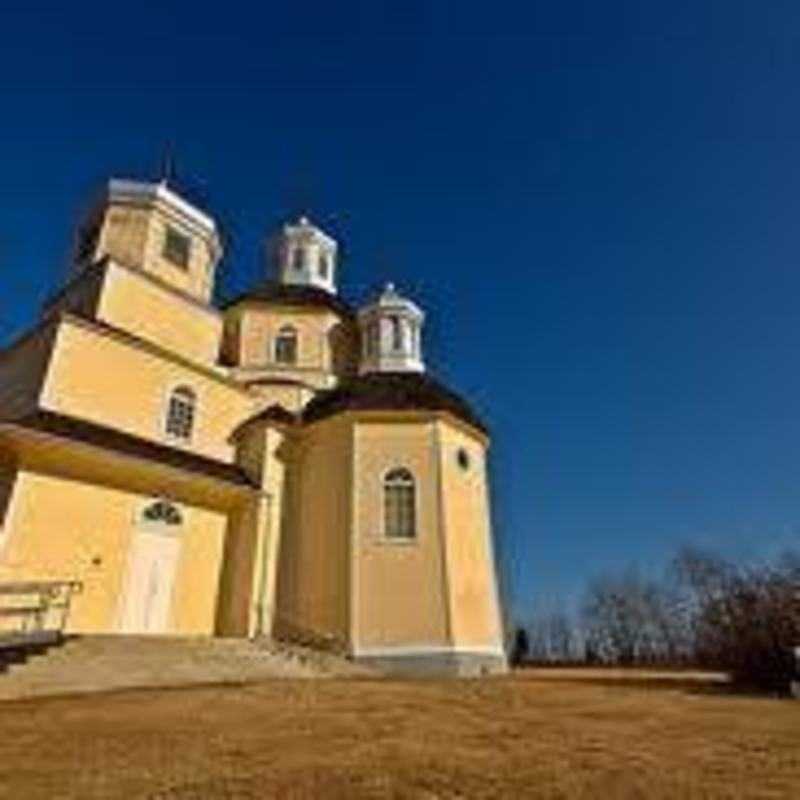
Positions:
(521, 647)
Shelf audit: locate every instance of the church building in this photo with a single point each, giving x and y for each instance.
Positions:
(282, 465)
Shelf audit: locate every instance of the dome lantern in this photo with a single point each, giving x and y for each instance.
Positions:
(304, 255)
(391, 334)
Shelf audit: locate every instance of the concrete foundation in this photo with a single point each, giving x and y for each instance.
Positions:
(437, 665)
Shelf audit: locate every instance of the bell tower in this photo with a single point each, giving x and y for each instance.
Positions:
(304, 255)
(151, 228)
(391, 334)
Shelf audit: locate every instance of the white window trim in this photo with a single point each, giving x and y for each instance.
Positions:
(175, 230)
(401, 541)
(149, 526)
(286, 328)
(165, 435)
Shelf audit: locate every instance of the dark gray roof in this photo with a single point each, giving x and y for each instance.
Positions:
(275, 413)
(286, 294)
(391, 391)
(127, 444)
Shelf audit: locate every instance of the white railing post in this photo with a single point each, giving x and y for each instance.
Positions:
(35, 608)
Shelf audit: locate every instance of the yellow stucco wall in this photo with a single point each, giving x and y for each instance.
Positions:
(99, 377)
(312, 575)
(398, 587)
(134, 235)
(261, 453)
(326, 343)
(134, 303)
(474, 613)
(123, 235)
(273, 483)
(238, 602)
(197, 278)
(290, 397)
(69, 529)
(197, 577)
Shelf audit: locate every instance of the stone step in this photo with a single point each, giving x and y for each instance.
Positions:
(102, 663)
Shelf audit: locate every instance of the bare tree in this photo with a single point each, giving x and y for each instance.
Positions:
(628, 619)
(552, 637)
(748, 619)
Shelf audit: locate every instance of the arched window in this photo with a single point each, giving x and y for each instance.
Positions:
(299, 258)
(323, 265)
(180, 413)
(286, 345)
(399, 504)
(162, 512)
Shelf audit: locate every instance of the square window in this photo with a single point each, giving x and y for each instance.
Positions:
(177, 248)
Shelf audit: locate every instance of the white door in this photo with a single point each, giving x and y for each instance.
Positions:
(147, 594)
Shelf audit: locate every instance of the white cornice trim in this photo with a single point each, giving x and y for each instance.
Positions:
(120, 190)
(304, 227)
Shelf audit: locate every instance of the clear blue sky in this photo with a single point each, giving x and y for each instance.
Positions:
(597, 204)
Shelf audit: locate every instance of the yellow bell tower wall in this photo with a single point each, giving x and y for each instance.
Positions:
(133, 302)
(99, 376)
(149, 227)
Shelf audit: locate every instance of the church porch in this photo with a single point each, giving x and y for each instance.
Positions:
(145, 533)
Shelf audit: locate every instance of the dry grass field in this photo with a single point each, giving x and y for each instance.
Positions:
(525, 736)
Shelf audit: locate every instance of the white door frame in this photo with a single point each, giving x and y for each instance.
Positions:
(146, 599)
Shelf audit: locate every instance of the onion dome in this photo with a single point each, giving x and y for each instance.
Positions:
(391, 391)
(280, 294)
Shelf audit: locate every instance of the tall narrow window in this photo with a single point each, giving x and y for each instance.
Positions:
(286, 345)
(323, 265)
(299, 258)
(177, 248)
(399, 504)
(397, 333)
(180, 413)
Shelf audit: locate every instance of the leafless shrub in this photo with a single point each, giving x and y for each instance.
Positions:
(552, 638)
(746, 619)
(629, 619)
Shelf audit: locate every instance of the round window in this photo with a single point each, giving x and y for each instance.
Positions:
(463, 458)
